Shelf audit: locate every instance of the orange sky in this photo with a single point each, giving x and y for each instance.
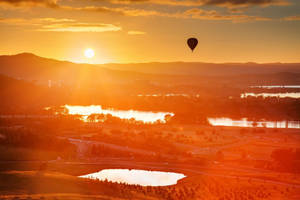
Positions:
(152, 30)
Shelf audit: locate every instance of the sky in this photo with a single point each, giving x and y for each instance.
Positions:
(133, 31)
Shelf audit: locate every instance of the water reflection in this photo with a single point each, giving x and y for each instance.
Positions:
(245, 123)
(137, 177)
(279, 95)
(275, 86)
(144, 116)
(168, 95)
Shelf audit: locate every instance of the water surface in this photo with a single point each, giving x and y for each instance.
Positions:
(247, 123)
(275, 86)
(279, 95)
(144, 116)
(137, 177)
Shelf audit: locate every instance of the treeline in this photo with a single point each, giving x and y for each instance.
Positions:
(28, 139)
(187, 110)
(286, 160)
(21, 97)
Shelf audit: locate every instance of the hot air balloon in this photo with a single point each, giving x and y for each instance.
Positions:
(192, 42)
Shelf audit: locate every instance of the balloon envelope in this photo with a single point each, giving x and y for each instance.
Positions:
(192, 42)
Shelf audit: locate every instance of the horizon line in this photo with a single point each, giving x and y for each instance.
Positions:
(151, 62)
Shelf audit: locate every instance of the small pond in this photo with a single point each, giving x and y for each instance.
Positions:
(137, 177)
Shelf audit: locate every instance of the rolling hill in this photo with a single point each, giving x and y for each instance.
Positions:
(207, 69)
(40, 70)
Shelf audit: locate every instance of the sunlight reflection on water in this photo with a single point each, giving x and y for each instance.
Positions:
(275, 86)
(144, 116)
(137, 177)
(264, 95)
(245, 123)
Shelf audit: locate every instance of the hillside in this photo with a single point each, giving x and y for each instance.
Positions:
(34, 68)
(207, 69)
(42, 70)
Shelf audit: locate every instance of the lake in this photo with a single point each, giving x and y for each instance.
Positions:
(144, 116)
(276, 86)
(279, 95)
(137, 177)
(246, 123)
(165, 95)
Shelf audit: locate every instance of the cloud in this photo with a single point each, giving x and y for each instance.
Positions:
(196, 13)
(292, 18)
(192, 13)
(47, 3)
(90, 9)
(33, 21)
(52, 20)
(136, 33)
(80, 27)
(223, 3)
(59, 25)
(120, 10)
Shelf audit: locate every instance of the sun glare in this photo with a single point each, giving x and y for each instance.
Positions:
(146, 117)
(89, 53)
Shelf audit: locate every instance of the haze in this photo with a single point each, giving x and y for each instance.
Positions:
(145, 31)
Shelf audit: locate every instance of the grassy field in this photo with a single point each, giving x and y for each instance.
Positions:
(55, 186)
(191, 150)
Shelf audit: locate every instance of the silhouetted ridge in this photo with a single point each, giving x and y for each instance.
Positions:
(31, 67)
(25, 54)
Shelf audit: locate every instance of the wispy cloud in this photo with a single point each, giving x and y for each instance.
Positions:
(136, 33)
(80, 27)
(192, 3)
(196, 13)
(33, 21)
(223, 3)
(59, 25)
(47, 3)
(191, 13)
(292, 18)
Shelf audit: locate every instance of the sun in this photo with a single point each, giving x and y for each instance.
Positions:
(89, 53)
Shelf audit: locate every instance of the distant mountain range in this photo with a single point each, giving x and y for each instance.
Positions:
(28, 66)
(207, 69)
(33, 68)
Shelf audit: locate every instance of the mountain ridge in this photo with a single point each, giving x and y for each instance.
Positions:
(28, 54)
(31, 67)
